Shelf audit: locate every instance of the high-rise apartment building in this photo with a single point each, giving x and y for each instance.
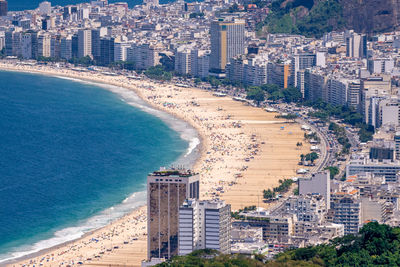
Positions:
(347, 211)
(26, 46)
(315, 85)
(250, 70)
(2, 40)
(97, 34)
(143, 55)
(44, 45)
(151, 3)
(301, 62)
(227, 41)
(74, 46)
(183, 64)
(13, 42)
(372, 89)
(3, 8)
(66, 47)
(281, 73)
(166, 192)
(381, 65)
(337, 91)
(84, 43)
(356, 45)
(106, 51)
(56, 46)
(354, 94)
(45, 8)
(204, 224)
(121, 51)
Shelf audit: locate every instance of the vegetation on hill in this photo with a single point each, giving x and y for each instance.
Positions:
(375, 245)
(304, 17)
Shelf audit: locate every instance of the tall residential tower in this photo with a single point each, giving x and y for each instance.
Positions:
(84, 43)
(227, 41)
(166, 192)
(204, 224)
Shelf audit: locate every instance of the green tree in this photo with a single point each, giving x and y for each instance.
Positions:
(158, 73)
(292, 94)
(311, 157)
(256, 94)
(269, 194)
(333, 171)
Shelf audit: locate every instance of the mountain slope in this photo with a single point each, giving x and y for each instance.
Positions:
(314, 18)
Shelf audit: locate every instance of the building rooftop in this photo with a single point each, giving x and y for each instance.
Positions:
(173, 172)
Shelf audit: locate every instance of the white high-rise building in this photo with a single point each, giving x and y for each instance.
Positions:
(84, 43)
(2, 40)
(83, 13)
(250, 71)
(372, 90)
(183, 63)
(389, 110)
(200, 62)
(347, 211)
(204, 224)
(356, 45)
(144, 56)
(321, 59)
(44, 45)
(354, 94)
(337, 91)
(151, 3)
(301, 62)
(26, 46)
(381, 65)
(45, 8)
(121, 51)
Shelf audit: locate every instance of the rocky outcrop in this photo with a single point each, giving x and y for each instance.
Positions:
(371, 16)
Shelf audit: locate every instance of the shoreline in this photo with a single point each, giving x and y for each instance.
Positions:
(243, 151)
(163, 115)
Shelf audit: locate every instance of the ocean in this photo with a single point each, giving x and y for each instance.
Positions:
(75, 156)
(17, 5)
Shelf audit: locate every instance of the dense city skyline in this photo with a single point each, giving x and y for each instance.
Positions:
(332, 99)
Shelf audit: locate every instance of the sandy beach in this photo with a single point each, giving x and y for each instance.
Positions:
(244, 151)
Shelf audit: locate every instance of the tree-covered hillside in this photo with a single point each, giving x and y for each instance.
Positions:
(375, 245)
(304, 17)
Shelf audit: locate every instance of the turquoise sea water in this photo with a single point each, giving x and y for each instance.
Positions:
(69, 152)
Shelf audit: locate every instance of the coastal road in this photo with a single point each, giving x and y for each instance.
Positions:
(325, 154)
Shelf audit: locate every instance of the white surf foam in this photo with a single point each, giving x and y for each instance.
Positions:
(187, 133)
(71, 233)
